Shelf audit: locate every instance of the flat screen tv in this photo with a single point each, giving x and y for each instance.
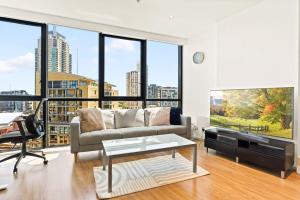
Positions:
(264, 111)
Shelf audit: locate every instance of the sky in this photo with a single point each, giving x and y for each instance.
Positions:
(18, 42)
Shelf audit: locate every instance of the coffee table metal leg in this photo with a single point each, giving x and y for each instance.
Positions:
(173, 153)
(109, 175)
(195, 159)
(103, 159)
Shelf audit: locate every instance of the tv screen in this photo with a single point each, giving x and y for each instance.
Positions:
(264, 111)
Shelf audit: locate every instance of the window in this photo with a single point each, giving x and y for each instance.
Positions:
(19, 58)
(72, 73)
(83, 69)
(159, 85)
(123, 66)
(72, 62)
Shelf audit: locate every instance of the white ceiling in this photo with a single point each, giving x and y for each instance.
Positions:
(188, 17)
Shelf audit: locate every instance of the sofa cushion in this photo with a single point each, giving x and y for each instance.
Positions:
(137, 131)
(177, 129)
(175, 118)
(109, 118)
(95, 137)
(129, 118)
(91, 120)
(159, 116)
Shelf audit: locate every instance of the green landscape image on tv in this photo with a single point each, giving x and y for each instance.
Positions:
(264, 111)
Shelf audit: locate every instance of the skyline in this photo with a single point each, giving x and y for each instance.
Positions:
(17, 57)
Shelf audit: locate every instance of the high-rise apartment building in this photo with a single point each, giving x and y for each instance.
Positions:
(59, 53)
(133, 82)
(133, 87)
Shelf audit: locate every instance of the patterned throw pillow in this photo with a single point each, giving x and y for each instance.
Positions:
(159, 116)
(91, 120)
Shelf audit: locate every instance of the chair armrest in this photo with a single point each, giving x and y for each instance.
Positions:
(75, 134)
(186, 121)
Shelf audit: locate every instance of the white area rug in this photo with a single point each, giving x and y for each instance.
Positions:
(28, 160)
(135, 176)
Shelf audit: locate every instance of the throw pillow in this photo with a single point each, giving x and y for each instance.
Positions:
(108, 118)
(91, 120)
(159, 116)
(175, 116)
(129, 118)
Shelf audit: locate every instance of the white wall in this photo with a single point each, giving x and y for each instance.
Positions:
(199, 79)
(259, 47)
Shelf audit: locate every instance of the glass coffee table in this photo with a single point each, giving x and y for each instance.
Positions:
(118, 148)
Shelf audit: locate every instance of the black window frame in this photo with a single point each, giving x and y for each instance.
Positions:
(44, 70)
(101, 75)
(180, 85)
(102, 69)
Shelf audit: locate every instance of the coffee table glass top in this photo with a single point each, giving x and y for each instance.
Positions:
(143, 144)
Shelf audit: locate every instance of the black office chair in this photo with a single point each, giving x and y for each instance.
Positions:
(30, 127)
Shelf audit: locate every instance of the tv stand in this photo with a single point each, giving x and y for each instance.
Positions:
(276, 155)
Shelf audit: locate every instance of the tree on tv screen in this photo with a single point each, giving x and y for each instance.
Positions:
(275, 105)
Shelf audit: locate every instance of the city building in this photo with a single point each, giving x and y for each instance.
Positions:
(133, 87)
(66, 85)
(15, 106)
(160, 92)
(111, 90)
(59, 53)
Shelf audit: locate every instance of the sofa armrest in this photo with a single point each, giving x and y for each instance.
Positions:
(75, 134)
(186, 121)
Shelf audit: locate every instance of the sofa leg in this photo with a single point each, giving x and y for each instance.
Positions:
(76, 157)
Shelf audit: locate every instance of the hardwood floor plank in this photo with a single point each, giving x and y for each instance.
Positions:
(64, 179)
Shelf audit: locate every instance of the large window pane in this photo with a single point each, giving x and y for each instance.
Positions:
(19, 58)
(9, 111)
(60, 114)
(123, 66)
(72, 62)
(162, 68)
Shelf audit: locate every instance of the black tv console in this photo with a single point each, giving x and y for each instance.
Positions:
(276, 155)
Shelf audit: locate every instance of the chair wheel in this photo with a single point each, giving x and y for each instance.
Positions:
(45, 162)
(15, 170)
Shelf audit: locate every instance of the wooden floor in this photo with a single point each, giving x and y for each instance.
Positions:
(63, 179)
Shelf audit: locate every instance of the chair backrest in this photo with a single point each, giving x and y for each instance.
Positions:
(33, 124)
